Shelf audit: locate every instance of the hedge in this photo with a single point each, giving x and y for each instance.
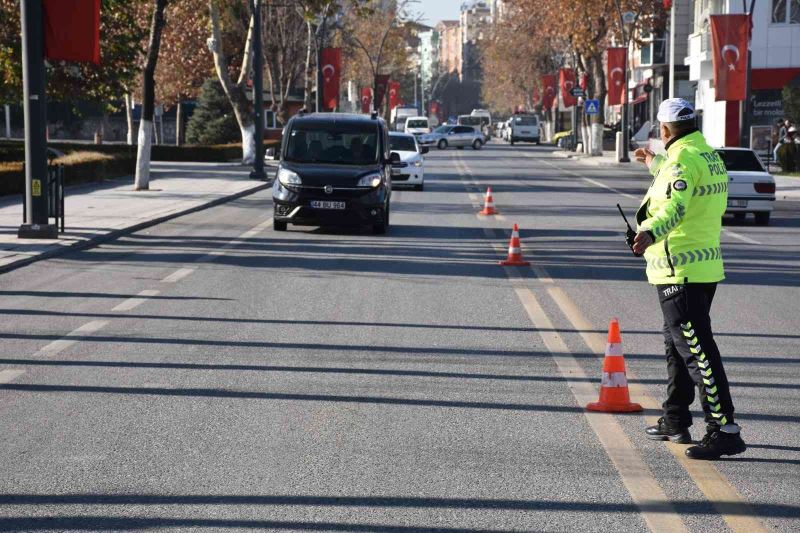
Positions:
(218, 153)
(85, 163)
(79, 167)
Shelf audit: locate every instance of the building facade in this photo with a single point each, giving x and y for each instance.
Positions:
(649, 79)
(475, 22)
(775, 48)
(449, 32)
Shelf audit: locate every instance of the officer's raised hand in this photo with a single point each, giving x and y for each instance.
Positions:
(643, 155)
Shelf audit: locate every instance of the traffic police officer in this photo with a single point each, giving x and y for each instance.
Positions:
(679, 226)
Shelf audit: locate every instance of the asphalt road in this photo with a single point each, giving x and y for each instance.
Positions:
(209, 373)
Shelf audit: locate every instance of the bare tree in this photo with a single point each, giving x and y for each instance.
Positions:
(235, 91)
(142, 180)
(283, 51)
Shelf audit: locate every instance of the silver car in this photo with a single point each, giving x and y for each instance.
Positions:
(458, 136)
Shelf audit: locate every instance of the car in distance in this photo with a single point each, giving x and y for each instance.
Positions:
(524, 128)
(432, 138)
(335, 170)
(410, 172)
(751, 189)
(458, 136)
(417, 126)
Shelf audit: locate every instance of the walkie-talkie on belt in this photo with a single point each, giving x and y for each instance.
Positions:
(630, 235)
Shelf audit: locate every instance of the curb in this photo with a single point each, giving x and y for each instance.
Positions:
(115, 234)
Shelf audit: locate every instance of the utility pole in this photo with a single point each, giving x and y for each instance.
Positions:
(627, 20)
(36, 224)
(672, 10)
(258, 92)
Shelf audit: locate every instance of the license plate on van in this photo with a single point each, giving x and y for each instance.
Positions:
(326, 204)
(737, 203)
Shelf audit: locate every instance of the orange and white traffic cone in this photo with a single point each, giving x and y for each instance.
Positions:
(614, 395)
(514, 251)
(488, 205)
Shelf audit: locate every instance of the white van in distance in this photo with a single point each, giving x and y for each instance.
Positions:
(417, 126)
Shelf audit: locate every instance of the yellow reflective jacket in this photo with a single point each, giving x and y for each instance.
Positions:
(683, 211)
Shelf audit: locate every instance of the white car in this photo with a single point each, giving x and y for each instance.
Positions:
(751, 188)
(410, 172)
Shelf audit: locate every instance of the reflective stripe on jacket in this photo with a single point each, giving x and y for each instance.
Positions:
(683, 211)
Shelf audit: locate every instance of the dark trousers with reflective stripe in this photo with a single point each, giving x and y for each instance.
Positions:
(693, 359)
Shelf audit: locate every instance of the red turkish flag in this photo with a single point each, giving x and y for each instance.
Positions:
(548, 90)
(381, 85)
(366, 99)
(394, 94)
(615, 75)
(331, 61)
(72, 30)
(730, 36)
(584, 81)
(567, 83)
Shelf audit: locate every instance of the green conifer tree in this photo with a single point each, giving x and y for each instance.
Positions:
(213, 121)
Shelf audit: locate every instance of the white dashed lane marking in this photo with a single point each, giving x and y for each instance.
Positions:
(72, 337)
(136, 301)
(7, 376)
(178, 275)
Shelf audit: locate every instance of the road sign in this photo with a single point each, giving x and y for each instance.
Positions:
(592, 107)
(577, 92)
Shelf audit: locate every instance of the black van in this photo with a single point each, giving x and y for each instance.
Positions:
(335, 170)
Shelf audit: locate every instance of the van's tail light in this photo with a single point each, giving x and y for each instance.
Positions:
(765, 188)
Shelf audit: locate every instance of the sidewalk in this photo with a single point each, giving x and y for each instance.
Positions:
(97, 212)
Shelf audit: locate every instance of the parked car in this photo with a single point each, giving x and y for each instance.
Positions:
(335, 169)
(524, 128)
(751, 188)
(458, 136)
(411, 169)
(417, 126)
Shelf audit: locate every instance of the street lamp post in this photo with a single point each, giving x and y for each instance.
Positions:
(36, 224)
(258, 92)
(746, 107)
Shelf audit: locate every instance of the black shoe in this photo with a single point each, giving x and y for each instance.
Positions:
(662, 431)
(716, 444)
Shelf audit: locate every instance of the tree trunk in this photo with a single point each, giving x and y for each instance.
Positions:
(242, 108)
(179, 134)
(599, 90)
(308, 103)
(142, 181)
(129, 116)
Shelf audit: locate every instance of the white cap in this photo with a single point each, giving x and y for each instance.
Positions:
(792, 129)
(675, 110)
